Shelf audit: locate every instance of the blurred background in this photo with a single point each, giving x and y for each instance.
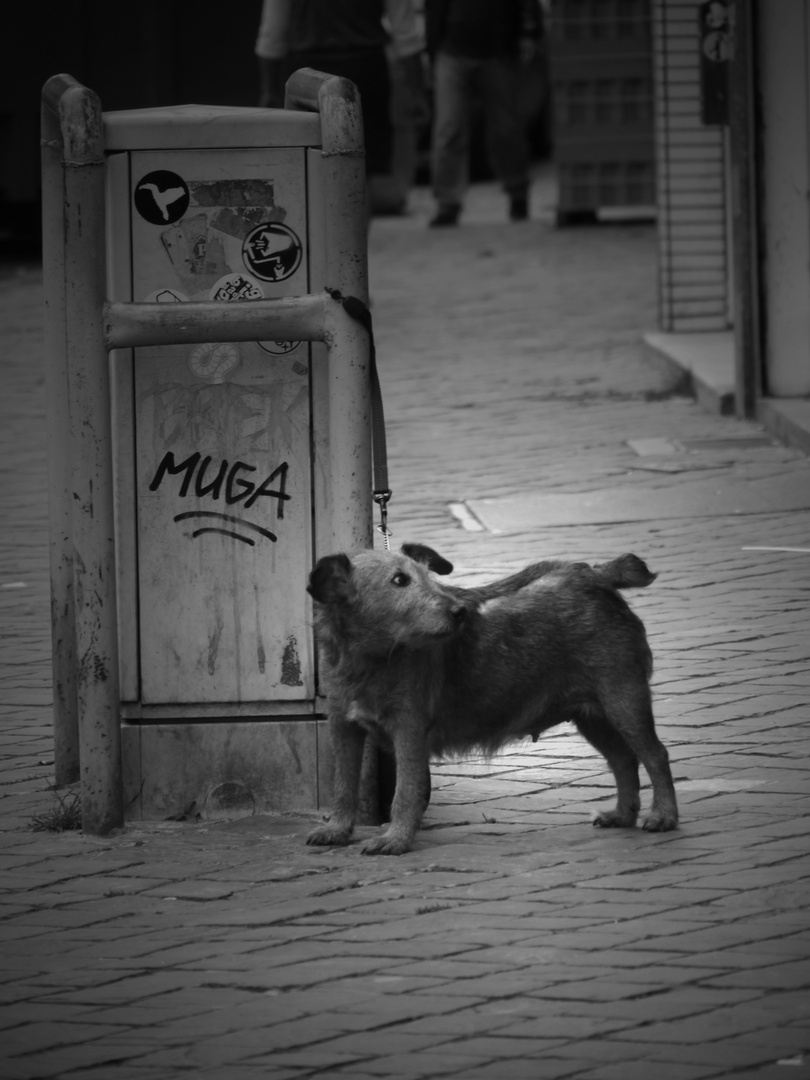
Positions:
(166, 52)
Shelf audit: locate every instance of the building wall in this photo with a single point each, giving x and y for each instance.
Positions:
(694, 263)
(154, 52)
(783, 62)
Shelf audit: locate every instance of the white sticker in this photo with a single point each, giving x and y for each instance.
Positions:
(212, 361)
(237, 286)
(166, 296)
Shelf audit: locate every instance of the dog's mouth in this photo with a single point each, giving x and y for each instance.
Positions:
(456, 618)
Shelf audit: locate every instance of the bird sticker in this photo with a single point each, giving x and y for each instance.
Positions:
(161, 197)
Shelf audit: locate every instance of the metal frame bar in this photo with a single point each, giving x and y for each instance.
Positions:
(82, 326)
(748, 348)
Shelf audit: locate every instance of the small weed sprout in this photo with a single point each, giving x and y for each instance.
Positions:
(67, 815)
(428, 909)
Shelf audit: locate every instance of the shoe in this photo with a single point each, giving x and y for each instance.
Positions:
(445, 215)
(518, 207)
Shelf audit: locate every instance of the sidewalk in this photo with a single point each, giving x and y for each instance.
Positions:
(514, 941)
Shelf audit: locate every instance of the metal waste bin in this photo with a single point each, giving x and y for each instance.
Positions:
(238, 456)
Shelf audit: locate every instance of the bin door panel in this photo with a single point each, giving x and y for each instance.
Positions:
(222, 435)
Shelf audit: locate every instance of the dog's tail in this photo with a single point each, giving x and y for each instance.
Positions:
(626, 572)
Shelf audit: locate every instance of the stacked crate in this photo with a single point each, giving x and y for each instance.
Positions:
(601, 70)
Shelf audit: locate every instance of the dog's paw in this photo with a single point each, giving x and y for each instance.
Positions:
(329, 836)
(612, 819)
(386, 845)
(659, 821)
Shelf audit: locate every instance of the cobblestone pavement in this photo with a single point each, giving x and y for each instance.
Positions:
(515, 941)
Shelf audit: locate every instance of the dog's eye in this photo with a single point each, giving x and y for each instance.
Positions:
(400, 579)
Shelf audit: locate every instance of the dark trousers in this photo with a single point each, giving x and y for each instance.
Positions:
(500, 81)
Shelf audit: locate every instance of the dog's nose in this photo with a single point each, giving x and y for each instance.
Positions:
(458, 613)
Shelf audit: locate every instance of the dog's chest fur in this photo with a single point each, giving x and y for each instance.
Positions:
(379, 692)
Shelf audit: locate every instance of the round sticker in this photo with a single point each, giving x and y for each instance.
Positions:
(717, 46)
(212, 360)
(236, 287)
(161, 197)
(272, 251)
(279, 348)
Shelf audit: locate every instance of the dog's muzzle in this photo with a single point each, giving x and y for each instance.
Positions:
(458, 613)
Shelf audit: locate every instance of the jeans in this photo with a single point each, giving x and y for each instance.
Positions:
(500, 82)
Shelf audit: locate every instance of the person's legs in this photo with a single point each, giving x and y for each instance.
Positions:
(507, 144)
(451, 134)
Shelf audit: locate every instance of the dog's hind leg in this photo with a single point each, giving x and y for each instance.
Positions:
(347, 748)
(663, 814)
(624, 766)
(633, 718)
(411, 794)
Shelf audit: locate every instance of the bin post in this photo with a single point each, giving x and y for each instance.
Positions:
(83, 353)
(338, 102)
(63, 632)
(346, 217)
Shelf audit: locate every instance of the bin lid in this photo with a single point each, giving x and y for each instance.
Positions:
(203, 127)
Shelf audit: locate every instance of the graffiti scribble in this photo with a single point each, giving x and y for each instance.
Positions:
(231, 520)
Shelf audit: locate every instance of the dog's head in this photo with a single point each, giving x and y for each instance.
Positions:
(380, 600)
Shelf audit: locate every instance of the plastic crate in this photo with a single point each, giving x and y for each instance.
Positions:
(586, 185)
(603, 105)
(593, 21)
(616, 101)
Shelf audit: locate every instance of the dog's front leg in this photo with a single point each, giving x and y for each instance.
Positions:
(411, 793)
(347, 750)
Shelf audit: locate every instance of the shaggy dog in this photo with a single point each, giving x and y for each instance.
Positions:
(432, 669)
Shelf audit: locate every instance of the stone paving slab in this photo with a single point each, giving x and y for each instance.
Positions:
(515, 940)
(761, 495)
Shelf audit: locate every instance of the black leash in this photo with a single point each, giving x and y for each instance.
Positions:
(381, 492)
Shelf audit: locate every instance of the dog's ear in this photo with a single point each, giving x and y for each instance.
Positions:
(421, 553)
(331, 580)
